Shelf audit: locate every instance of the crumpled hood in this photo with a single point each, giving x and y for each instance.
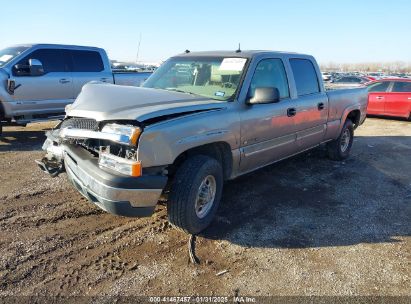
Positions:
(114, 102)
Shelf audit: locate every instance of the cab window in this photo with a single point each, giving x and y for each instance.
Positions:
(305, 76)
(51, 59)
(87, 61)
(270, 73)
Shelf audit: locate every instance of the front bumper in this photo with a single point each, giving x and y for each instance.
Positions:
(114, 193)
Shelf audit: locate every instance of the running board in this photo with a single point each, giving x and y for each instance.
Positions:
(25, 121)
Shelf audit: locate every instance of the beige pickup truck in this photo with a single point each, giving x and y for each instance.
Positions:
(199, 120)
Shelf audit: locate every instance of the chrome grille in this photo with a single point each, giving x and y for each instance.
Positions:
(80, 123)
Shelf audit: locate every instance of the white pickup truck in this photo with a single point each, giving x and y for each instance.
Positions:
(38, 81)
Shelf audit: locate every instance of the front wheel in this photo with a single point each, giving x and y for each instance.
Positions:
(339, 149)
(195, 194)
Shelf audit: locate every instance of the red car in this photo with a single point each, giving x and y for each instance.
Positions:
(390, 97)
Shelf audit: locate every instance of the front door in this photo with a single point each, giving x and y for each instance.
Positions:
(267, 132)
(47, 93)
(377, 97)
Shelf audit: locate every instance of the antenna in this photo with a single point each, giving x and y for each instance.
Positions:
(138, 48)
(239, 48)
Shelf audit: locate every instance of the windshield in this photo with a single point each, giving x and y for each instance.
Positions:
(212, 77)
(9, 53)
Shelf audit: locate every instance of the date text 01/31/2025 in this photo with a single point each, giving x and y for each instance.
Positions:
(201, 299)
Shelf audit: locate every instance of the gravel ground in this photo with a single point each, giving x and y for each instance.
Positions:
(305, 226)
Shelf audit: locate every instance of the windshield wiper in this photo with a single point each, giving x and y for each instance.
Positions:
(181, 91)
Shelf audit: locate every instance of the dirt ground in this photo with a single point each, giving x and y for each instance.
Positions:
(305, 226)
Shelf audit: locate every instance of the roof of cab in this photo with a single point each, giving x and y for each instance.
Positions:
(50, 45)
(242, 53)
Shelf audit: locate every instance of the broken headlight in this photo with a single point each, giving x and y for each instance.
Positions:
(127, 135)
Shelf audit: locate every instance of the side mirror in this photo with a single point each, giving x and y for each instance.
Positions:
(34, 68)
(265, 95)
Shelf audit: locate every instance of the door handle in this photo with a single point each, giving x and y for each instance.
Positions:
(104, 79)
(409, 98)
(379, 97)
(321, 106)
(291, 112)
(64, 80)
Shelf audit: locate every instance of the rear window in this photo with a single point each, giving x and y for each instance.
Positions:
(349, 80)
(355, 79)
(87, 61)
(343, 79)
(401, 87)
(305, 76)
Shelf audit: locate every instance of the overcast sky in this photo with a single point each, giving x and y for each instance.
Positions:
(338, 31)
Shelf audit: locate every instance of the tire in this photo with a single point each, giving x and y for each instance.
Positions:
(186, 208)
(339, 149)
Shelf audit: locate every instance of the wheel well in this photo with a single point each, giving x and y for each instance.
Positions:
(221, 151)
(355, 117)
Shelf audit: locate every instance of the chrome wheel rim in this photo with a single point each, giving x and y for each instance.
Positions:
(205, 196)
(345, 140)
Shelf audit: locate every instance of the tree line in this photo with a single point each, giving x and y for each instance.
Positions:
(387, 67)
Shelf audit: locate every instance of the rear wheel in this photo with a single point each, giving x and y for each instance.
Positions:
(195, 194)
(340, 148)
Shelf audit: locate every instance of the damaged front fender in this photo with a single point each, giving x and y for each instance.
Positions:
(53, 162)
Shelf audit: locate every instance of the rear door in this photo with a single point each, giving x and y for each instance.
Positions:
(398, 101)
(311, 113)
(377, 95)
(88, 65)
(48, 93)
(267, 132)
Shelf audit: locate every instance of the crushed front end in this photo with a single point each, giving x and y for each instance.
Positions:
(101, 161)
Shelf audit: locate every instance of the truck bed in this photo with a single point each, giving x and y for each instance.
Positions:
(340, 99)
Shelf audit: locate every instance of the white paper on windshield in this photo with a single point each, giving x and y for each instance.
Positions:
(232, 64)
(4, 58)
